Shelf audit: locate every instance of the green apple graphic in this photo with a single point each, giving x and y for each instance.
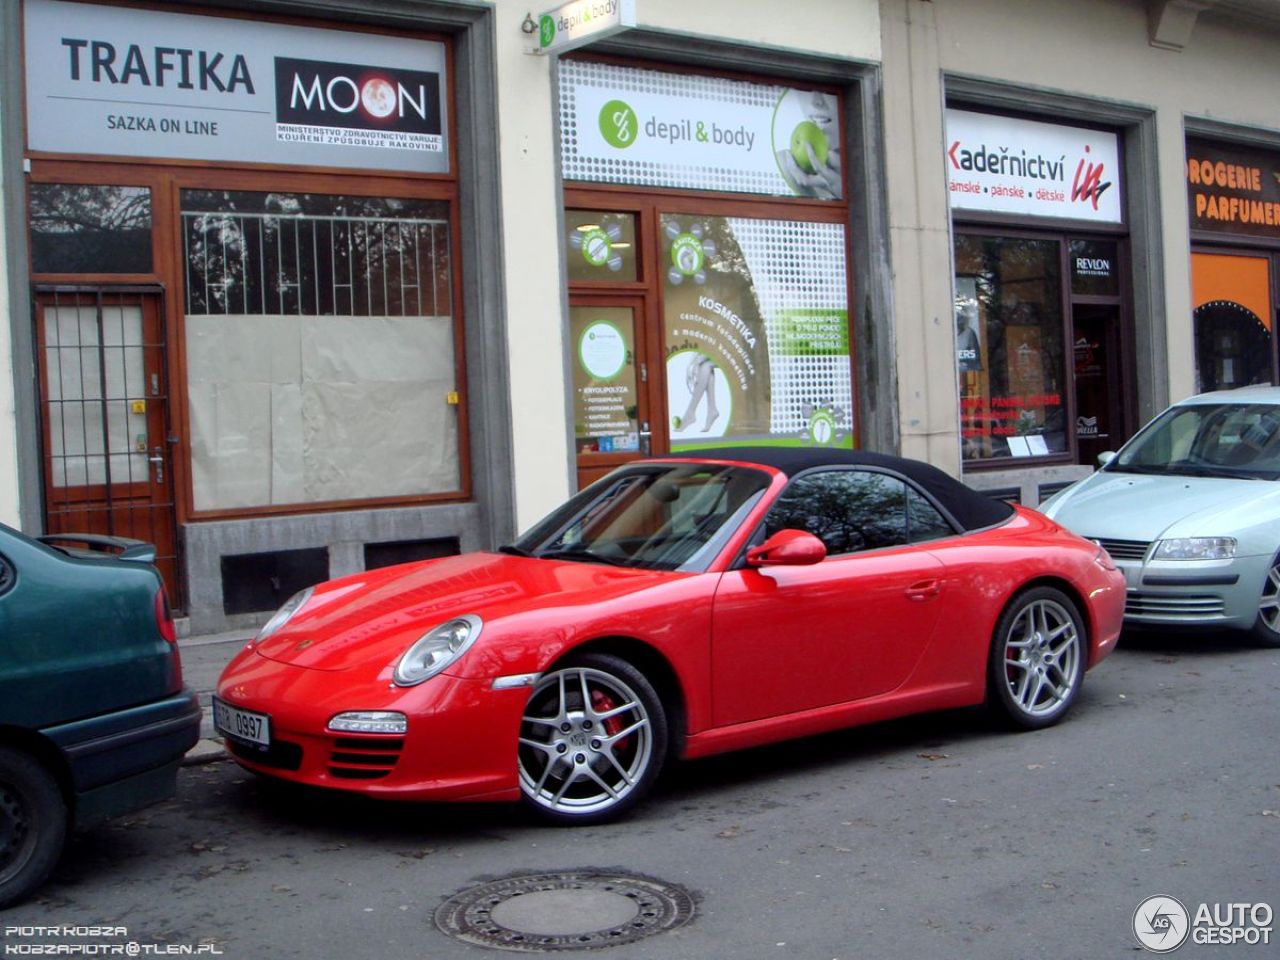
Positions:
(807, 131)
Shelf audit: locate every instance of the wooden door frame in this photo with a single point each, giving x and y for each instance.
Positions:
(151, 300)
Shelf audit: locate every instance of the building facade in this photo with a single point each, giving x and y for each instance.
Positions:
(329, 286)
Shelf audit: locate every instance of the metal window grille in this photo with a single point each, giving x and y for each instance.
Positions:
(310, 265)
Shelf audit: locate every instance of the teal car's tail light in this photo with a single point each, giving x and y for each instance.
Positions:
(284, 614)
(436, 649)
(370, 721)
(1196, 548)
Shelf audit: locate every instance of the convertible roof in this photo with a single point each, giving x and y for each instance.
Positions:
(972, 510)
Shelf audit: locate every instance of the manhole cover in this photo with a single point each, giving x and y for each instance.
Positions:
(577, 910)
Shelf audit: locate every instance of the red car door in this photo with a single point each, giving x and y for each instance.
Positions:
(793, 638)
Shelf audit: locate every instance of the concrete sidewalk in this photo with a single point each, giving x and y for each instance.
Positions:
(202, 661)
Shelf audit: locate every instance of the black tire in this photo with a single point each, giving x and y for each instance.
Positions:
(593, 740)
(33, 825)
(1037, 659)
(1266, 628)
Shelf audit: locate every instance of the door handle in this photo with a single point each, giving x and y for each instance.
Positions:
(158, 459)
(924, 590)
(646, 438)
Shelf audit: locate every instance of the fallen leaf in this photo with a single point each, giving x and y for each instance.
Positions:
(933, 756)
(728, 833)
(1035, 766)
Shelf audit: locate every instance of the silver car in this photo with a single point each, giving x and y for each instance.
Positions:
(1189, 509)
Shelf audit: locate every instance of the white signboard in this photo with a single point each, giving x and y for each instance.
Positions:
(643, 127)
(1005, 165)
(579, 22)
(133, 82)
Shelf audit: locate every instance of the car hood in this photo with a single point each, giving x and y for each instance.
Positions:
(1131, 506)
(374, 617)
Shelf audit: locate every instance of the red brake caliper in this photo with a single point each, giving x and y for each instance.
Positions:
(601, 702)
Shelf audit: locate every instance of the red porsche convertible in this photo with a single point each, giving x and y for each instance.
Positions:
(676, 608)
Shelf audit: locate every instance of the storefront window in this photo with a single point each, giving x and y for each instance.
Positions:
(1232, 319)
(89, 228)
(320, 345)
(1009, 330)
(600, 245)
(756, 331)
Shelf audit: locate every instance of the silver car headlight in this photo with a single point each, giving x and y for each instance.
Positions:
(1196, 548)
(436, 649)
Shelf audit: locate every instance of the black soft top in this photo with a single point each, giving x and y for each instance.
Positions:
(970, 509)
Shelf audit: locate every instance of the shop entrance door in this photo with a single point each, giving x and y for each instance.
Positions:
(1099, 413)
(611, 411)
(104, 413)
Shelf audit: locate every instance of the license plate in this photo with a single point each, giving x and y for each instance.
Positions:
(242, 724)
(1132, 577)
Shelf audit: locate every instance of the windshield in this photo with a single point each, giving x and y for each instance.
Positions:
(1240, 440)
(652, 516)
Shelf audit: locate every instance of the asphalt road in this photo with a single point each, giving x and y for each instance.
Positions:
(932, 837)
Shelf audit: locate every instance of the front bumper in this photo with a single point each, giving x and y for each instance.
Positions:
(460, 743)
(1207, 593)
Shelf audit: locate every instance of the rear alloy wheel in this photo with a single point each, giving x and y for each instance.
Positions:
(33, 825)
(592, 741)
(1037, 658)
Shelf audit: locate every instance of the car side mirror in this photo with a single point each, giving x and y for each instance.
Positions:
(1105, 457)
(788, 548)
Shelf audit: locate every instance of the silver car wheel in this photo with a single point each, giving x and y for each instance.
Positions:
(586, 743)
(1269, 605)
(1266, 628)
(1041, 658)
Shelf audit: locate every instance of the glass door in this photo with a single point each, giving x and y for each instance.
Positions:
(611, 423)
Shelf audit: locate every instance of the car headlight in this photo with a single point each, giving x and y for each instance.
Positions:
(1196, 548)
(436, 649)
(284, 614)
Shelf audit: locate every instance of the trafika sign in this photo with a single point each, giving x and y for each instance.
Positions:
(133, 82)
(579, 22)
(1006, 165)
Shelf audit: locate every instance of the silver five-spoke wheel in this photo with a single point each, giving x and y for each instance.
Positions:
(592, 740)
(1037, 660)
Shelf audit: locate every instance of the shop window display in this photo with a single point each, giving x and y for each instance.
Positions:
(1010, 352)
(90, 228)
(304, 314)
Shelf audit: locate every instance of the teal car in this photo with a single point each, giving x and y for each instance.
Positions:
(1189, 510)
(94, 717)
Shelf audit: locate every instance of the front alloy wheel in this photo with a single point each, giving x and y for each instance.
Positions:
(1266, 629)
(1037, 658)
(592, 740)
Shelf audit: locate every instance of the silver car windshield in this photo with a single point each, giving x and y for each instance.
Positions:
(653, 516)
(1239, 440)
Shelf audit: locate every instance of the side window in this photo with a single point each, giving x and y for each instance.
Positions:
(924, 522)
(848, 510)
